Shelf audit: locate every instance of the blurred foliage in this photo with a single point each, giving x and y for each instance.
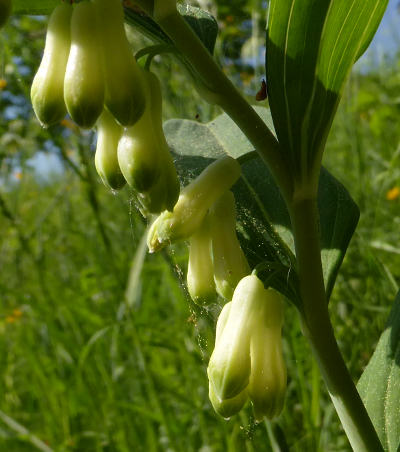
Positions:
(81, 369)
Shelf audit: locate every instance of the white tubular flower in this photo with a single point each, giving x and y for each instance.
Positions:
(193, 204)
(247, 360)
(47, 91)
(267, 384)
(106, 159)
(84, 81)
(124, 88)
(228, 407)
(230, 365)
(230, 263)
(200, 276)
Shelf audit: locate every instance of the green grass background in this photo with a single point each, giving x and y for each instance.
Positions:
(101, 349)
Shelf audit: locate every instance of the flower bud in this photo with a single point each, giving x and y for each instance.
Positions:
(164, 193)
(230, 263)
(230, 363)
(153, 200)
(193, 203)
(200, 277)
(47, 90)
(137, 157)
(170, 184)
(124, 91)
(138, 152)
(267, 384)
(106, 158)
(84, 78)
(247, 360)
(227, 407)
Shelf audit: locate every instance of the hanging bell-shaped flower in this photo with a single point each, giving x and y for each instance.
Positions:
(230, 363)
(230, 263)
(193, 204)
(200, 275)
(267, 386)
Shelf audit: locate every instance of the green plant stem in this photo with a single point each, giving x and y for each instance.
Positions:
(215, 87)
(318, 329)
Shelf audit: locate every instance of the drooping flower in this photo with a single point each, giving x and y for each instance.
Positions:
(247, 361)
(193, 204)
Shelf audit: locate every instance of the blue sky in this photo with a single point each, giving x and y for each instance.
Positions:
(387, 38)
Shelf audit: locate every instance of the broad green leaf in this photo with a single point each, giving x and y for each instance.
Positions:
(202, 23)
(311, 47)
(379, 385)
(263, 220)
(339, 216)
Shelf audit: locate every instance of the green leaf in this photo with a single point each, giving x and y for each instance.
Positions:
(202, 23)
(311, 47)
(339, 216)
(379, 385)
(263, 220)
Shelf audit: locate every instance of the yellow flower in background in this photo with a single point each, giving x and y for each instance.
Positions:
(3, 83)
(14, 316)
(17, 313)
(393, 193)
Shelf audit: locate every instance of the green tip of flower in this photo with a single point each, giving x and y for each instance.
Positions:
(228, 407)
(228, 374)
(269, 409)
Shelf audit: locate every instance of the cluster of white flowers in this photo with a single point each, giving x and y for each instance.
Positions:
(89, 71)
(247, 362)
